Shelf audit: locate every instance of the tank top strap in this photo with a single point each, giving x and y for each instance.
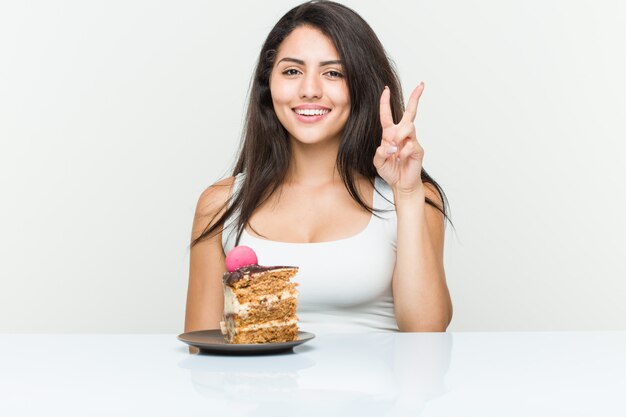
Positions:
(238, 183)
(385, 217)
(229, 232)
(383, 195)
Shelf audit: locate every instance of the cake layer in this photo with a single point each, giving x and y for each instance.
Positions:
(241, 304)
(260, 312)
(272, 334)
(255, 331)
(262, 286)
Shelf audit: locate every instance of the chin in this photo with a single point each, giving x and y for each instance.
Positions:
(312, 140)
(314, 136)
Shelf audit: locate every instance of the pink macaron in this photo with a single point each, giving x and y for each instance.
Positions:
(240, 256)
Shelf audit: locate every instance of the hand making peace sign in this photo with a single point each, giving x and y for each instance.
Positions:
(398, 159)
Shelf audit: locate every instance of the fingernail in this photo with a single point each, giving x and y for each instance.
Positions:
(386, 88)
(392, 149)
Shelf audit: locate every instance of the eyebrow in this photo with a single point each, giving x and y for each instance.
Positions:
(301, 62)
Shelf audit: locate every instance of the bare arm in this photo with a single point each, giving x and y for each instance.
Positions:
(205, 299)
(421, 297)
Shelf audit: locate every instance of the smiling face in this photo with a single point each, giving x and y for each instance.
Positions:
(309, 91)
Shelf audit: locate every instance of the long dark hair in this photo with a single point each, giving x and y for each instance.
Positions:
(264, 154)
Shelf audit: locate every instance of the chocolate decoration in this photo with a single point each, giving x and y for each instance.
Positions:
(232, 277)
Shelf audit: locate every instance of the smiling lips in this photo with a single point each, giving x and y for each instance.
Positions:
(310, 113)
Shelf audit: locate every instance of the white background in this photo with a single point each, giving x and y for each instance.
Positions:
(115, 115)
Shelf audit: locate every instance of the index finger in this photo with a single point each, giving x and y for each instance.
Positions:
(411, 107)
(386, 118)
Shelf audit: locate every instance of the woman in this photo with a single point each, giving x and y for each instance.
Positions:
(330, 179)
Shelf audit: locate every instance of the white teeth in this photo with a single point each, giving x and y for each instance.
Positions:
(311, 112)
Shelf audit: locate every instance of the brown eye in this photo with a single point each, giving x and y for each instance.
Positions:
(291, 71)
(335, 74)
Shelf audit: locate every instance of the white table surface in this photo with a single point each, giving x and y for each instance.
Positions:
(375, 374)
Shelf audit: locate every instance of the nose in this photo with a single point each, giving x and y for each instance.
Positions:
(311, 86)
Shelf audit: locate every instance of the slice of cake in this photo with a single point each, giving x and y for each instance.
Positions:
(260, 302)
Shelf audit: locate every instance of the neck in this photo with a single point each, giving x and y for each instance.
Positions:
(313, 165)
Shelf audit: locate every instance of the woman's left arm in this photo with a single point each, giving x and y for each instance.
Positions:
(421, 297)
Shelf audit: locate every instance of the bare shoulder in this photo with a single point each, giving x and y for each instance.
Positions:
(214, 197)
(432, 193)
(211, 203)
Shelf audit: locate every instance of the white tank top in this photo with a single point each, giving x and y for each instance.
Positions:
(344, 285)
